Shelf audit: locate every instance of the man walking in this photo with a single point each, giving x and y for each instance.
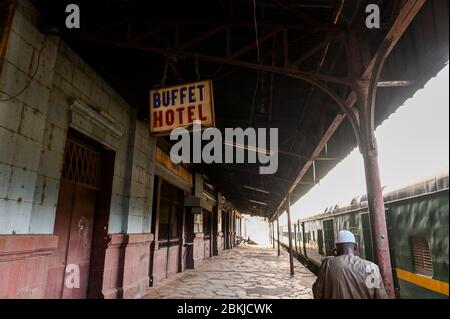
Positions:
(346, 276)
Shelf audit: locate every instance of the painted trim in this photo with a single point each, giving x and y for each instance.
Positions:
(423, 281)
(7, 18)
(99, 117)
(164, 160)
(172, 179)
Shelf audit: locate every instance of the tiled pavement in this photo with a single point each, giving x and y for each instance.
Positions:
(243, 272)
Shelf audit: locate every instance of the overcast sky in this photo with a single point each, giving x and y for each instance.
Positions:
(413, 144)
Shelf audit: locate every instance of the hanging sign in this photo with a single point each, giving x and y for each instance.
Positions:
(179, 106)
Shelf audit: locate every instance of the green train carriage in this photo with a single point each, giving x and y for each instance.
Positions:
(418, 226)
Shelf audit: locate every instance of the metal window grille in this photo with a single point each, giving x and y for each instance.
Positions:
(81, 164)
(422, 256)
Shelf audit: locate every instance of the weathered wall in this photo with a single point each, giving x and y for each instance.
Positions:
(45, 89)
(22, 120)
(138, 197)
(163, 265)
(6, 12)
(24, 265)
(33, 129)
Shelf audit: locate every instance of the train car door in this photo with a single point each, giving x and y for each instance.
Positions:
(320, 241)
(392, 252)
(328, 229)
(367, 237)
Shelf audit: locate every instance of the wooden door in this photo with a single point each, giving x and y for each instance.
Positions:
(69, 269)
(169, 230)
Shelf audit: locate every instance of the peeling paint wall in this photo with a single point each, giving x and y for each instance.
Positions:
(6, 12)
(33, 129)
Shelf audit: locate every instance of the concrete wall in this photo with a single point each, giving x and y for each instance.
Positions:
(6, 9)
(45, 89)
(22, 123)
(33, 129)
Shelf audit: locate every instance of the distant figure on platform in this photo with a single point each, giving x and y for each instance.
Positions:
(244, 242)
(346, 276)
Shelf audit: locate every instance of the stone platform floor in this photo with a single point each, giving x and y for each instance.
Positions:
(240, 273)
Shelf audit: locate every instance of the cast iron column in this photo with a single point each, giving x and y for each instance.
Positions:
(375, 200)
(273, 234)
(278, 233)
(288, 211)
(304, 240)
(295, 236)
(270, 233)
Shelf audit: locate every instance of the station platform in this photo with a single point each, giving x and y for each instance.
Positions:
(240, 273)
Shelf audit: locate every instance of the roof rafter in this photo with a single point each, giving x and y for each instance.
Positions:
(298, 13)
(310, 77)
(406, 14)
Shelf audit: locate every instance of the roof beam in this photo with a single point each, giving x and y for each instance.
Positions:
(392, 84)
(310, 77)
(241, 171)
(400, 25)
(242, 24)
(329, 37)
(319, 67)
(318, 150)
(201, 37)
(147, 34)
(316, 153)
(298, 13)
(309, 53)
(252, 44)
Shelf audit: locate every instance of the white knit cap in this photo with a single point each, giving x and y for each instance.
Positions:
(345, 236)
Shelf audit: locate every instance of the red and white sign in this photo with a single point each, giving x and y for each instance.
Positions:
(179, 106)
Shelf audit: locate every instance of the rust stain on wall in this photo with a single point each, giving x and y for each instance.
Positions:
(6, 17)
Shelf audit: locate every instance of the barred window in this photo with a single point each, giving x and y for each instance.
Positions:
(81, 164)
(422, 256)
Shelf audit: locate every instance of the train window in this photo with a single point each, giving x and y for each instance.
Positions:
(422, 256)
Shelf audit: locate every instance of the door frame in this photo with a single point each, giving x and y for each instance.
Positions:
(99, 240)
(181, 221)
(328, 238)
